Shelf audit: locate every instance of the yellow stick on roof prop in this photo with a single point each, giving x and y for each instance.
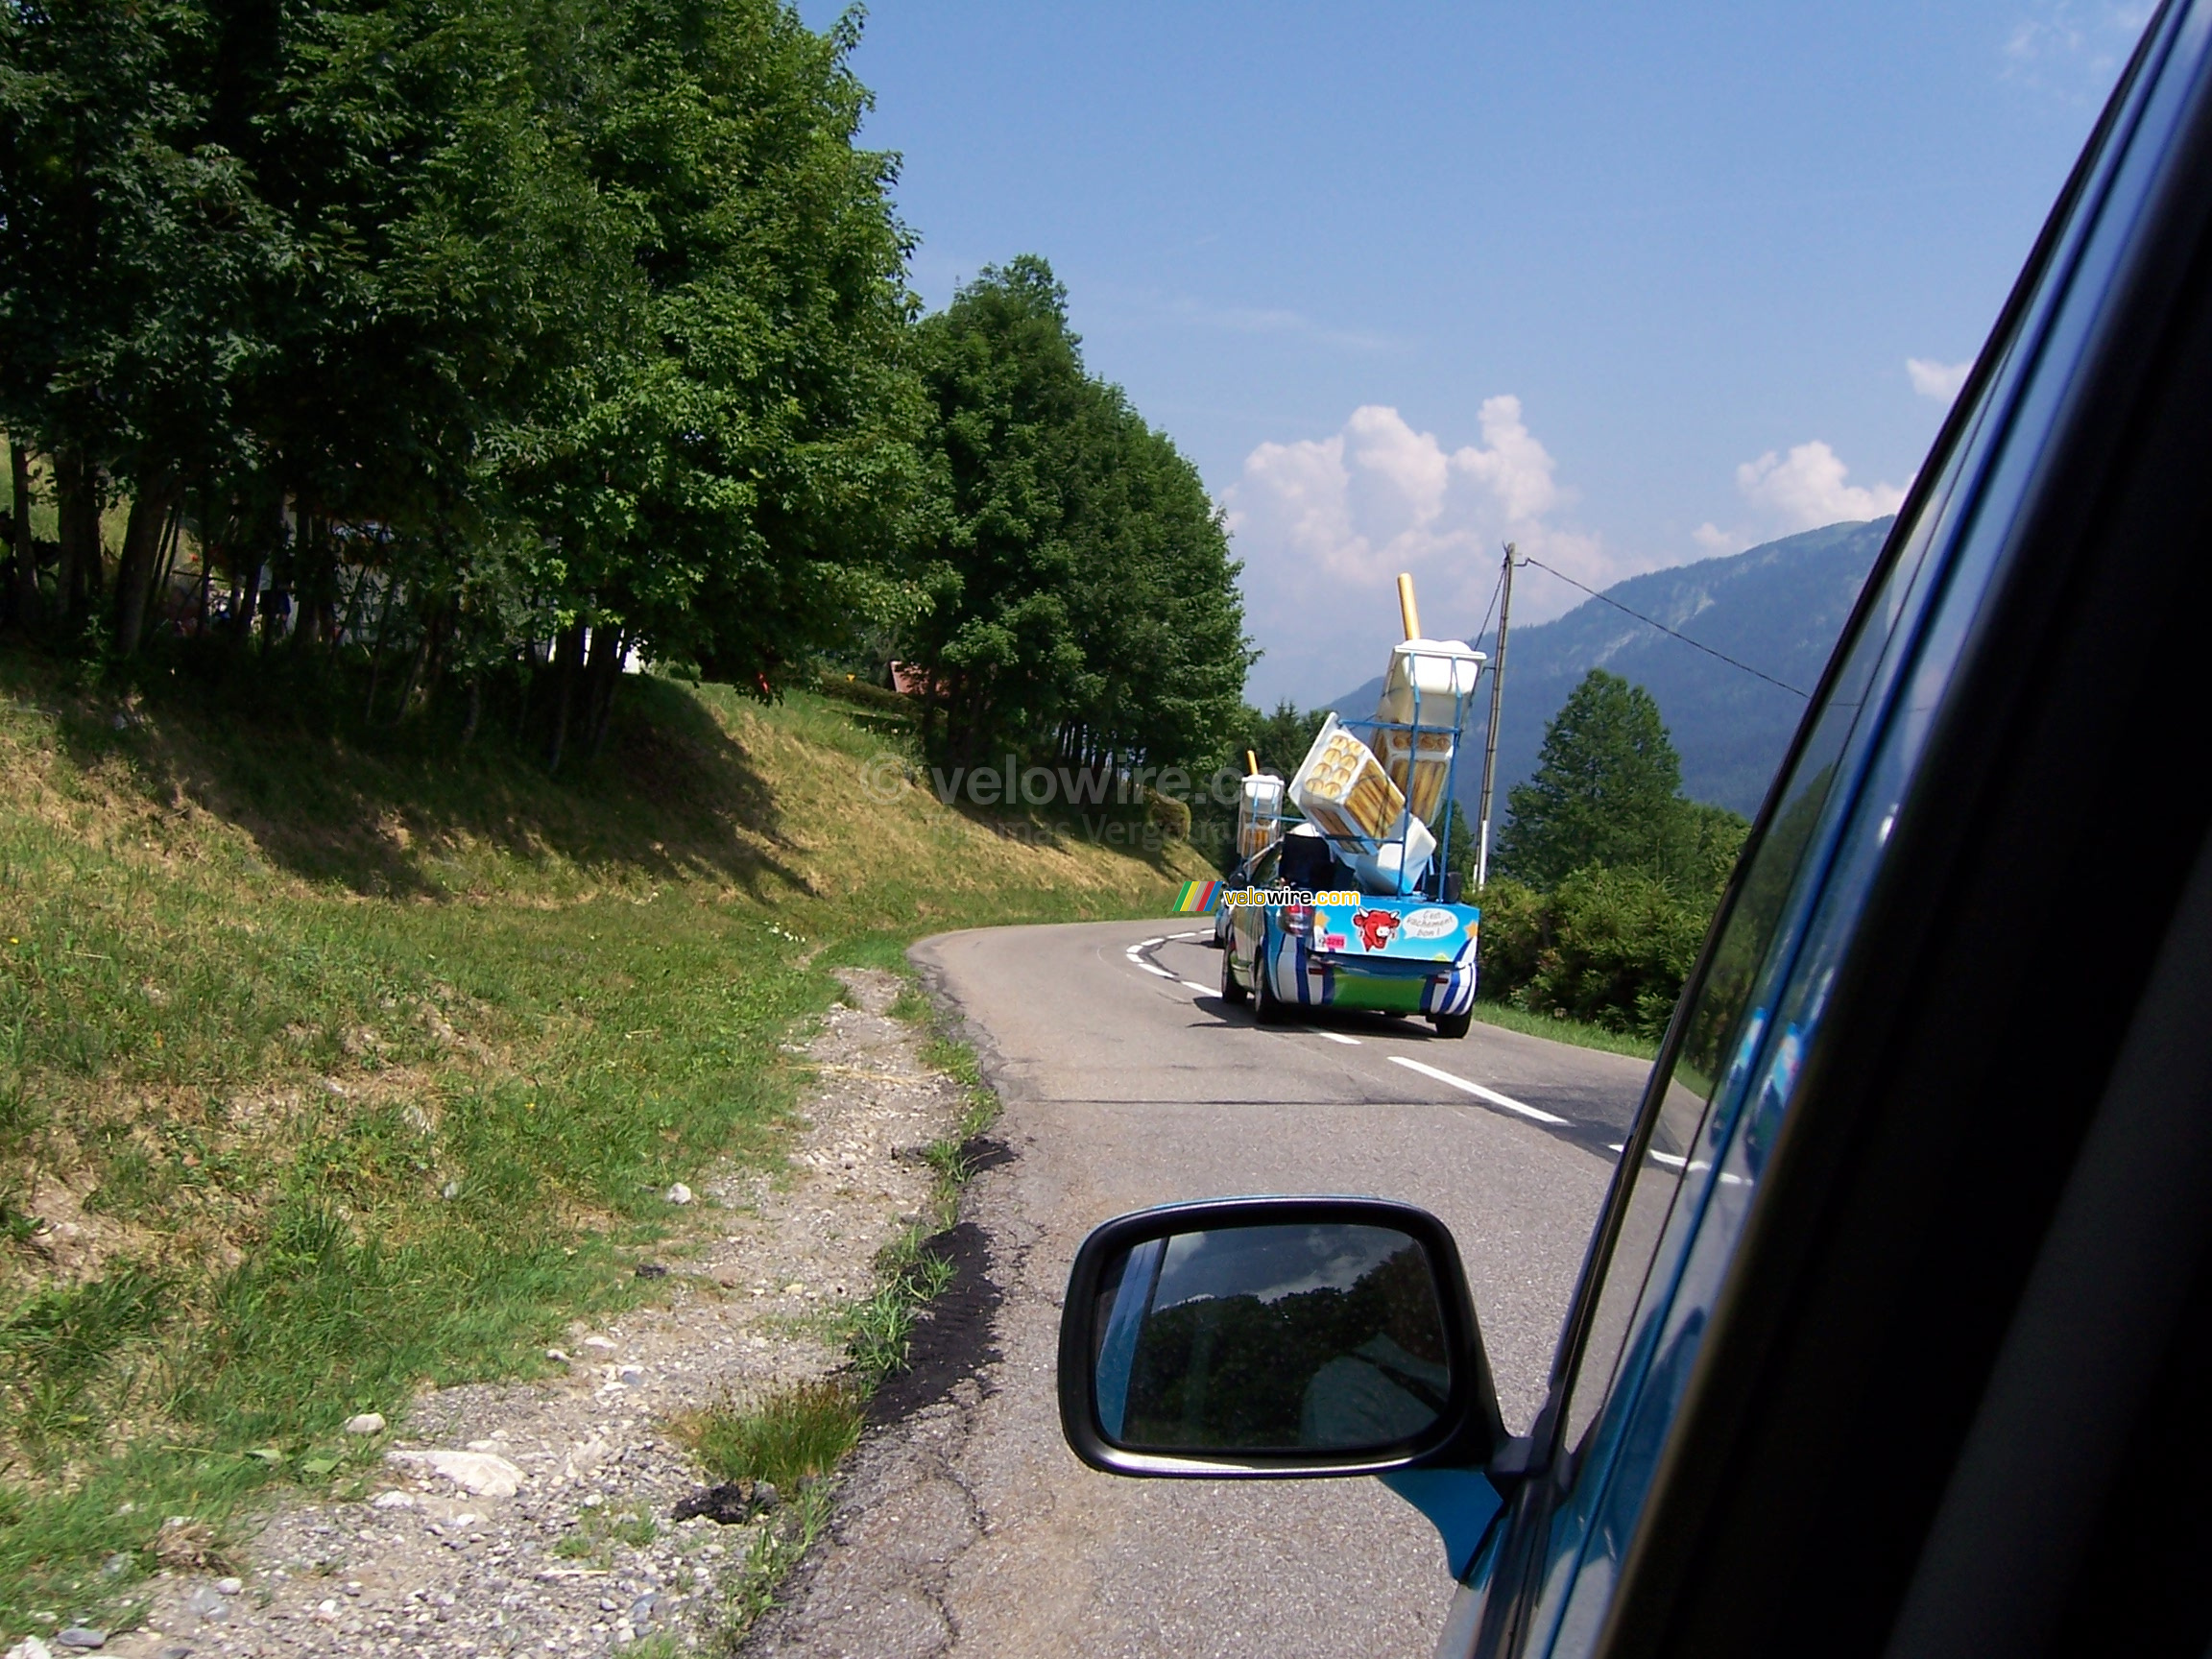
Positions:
(1408, 612)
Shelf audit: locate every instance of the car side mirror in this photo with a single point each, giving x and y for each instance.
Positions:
(1251, 1337)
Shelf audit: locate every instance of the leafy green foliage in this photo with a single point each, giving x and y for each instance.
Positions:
(1082, 600)
(449, 330)
(1610, 876)
(480, 343)
(1608, 947)
(1603, 793)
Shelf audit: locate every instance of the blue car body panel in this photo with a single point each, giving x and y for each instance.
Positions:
(1408, 955)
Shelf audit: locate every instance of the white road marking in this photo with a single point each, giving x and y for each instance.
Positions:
(1675, 1161)
(1149, 943)
(1161, 972)
(1202, 990)
(1477, 1090)
(1332, 1036)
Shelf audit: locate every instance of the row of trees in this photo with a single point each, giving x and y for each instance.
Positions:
(504, 338)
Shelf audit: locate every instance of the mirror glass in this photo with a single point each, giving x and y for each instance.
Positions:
(1274, 1338)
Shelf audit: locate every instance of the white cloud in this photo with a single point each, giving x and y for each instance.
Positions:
(1806, 490)
(1717, 540)
(1324, 525)
(1260, 320)
(2070, 52)
(1938, 380)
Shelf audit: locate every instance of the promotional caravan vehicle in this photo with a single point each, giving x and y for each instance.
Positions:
(1340, 898)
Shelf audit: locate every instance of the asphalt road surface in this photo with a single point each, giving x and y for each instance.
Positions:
(968, 1528)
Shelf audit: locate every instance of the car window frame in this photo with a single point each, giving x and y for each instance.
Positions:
(1990, 405)
(1923, 501)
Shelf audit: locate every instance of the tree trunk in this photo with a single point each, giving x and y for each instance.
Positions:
(529, 678)
(141, 557)
(26, 560)
(376, 650)
(172, 543)
(568, 658)
(607, 648)
(76, 495)
(420, 661)
(245, 592)
(276, 603)
(315, 566)
(475, 709)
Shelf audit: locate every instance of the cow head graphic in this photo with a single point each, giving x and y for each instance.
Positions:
(1374, 927)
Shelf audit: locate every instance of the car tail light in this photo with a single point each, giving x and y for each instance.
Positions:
(1298, 920)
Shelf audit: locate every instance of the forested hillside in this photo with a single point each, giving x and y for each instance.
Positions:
(463, 351)
(1777, 608)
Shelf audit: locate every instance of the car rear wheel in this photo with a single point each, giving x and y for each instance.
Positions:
(1450, 1024)
(1232, 993)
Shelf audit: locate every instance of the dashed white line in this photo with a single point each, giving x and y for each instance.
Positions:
(1478, 1091)
(1332, 1036)
(1161, 972)
(1202, 990)
(1149, 943)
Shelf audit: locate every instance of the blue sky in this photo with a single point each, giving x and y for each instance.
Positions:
(1633, 285)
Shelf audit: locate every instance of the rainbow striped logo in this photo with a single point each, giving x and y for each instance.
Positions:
(1200, 897)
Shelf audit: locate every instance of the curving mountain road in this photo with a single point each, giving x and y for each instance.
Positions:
(965, 1525)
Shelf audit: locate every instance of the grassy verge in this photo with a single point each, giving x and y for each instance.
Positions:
(334, 1063)
(1580, 1033)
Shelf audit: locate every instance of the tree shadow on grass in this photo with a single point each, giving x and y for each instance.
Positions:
(413, 810)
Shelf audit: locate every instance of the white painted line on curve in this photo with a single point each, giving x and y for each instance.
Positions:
(1202, 990)
(1161, 972)
(1477, 1090)
(1332, 1036)
(1149, 943)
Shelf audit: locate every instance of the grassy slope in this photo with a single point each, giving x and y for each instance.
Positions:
(328, 1069)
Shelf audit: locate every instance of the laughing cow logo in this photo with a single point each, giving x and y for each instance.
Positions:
(1374, 927)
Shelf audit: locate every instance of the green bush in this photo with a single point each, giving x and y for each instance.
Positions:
(1607, 946)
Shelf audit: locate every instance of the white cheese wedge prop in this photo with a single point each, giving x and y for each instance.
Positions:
(1344, 792)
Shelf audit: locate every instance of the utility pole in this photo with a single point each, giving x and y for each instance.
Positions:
(1490, 738)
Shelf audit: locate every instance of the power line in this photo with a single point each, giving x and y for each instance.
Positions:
(1491, 610)
(1664, 629)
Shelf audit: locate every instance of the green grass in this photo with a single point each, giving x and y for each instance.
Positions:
(1580, 1033)
(359, 1061)
(798, 1435)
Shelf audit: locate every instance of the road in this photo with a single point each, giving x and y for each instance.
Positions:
(966, 1527)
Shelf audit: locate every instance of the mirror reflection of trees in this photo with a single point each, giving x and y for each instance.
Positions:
(1326, 1367)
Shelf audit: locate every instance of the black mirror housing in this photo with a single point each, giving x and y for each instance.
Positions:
(1274, 1337)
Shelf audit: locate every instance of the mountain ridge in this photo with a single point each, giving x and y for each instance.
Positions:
(1777, 608)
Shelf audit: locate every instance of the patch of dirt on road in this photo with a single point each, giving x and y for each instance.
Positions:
(566, 1545)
